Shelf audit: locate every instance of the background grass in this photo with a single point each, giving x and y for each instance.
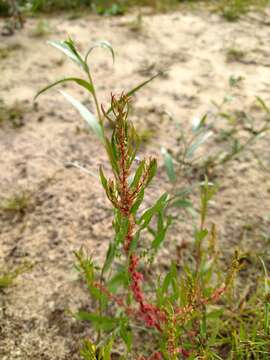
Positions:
(230, 9)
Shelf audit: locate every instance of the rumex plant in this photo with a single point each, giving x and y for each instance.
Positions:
(165, 309)
(177, 312)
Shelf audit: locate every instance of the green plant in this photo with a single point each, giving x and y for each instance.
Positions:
(18, 203)
(175, 305)
(136, 25)
(13, 114)
(41, 29)
(187, 313)
(4, 8)
(7, 278)
(11, 9)
(36, 6)
(233, 9)
(235, 55)
(110, 8)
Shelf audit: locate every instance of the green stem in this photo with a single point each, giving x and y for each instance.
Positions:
(100, 118)
(266, 318)
(100, 310)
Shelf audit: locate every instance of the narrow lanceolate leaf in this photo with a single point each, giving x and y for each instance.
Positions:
(126, 335)
(168, 160)
(198, 124)
(102, 44)
(171, 275)
(103, 179)
(141, 85)
(137, 202)
(138, 175)
(86, 114)
(196, 144)
(264, 106)
(152, 169)
(80, 82)
(149, 213)
(182, 203)
(109, 257)
(138, 87)
(69, 50)
(99, 322)
(160, 236)
(112, 154)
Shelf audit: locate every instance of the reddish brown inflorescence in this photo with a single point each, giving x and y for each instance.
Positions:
(150, 314)
(123, 200)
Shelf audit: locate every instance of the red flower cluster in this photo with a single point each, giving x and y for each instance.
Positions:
(151, 315)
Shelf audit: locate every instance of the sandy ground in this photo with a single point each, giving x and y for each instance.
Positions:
(67, 208)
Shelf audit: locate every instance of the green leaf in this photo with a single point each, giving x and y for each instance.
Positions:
(126, 335)
(99, 322)
(138, 175)
(102, 44)
(206, 267)
(172, 274)
(119, 279)
(200, 236)
(6, 281)
(98, 295)
(138, 202)
(148, 214)
(103, 180)
(182, 203)
(264, 106)
(151, 171)
(168, 164)
(138, 87)
(86, 114)
(68, 48)
(109, 257)
(196, 144)
(123, 229)
(134, 242)
(215, 314)
(88, 351)
(160, 236)
(107, 350)
(111, 153)
(80, 82)
(141, 85)
(203, 325)
(198, 124)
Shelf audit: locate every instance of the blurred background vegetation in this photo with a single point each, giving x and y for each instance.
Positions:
(230, 9)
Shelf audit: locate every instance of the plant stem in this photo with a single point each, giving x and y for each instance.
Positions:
(100, 118)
